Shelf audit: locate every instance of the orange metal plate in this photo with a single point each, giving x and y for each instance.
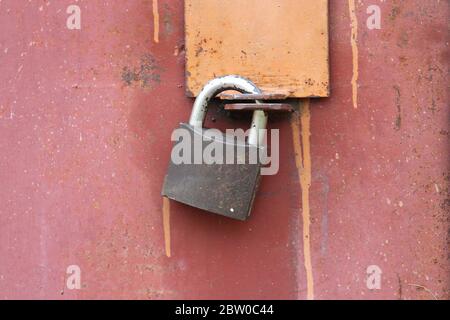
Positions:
(281, 45)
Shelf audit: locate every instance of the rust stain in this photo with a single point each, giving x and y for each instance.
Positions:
(155, 21)
(354, 43)
(166, 226)
(302, 149)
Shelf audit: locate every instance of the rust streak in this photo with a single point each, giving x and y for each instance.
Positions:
(166, 225)
(301, 128)
(355, 51)
(155, 21)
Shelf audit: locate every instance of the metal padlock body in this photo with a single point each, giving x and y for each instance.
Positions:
(225, 189)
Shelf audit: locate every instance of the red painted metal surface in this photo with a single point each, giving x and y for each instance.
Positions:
(85, 123)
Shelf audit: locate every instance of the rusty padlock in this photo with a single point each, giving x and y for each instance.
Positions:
(222, 188)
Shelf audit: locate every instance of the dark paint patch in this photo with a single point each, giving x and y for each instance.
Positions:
(146, 75)
(167, 20)
(394, 12)
(398, 119)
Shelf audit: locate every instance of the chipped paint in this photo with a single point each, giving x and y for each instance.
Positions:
(355, 51)
(302, 149)
(155, 21)
(166, 226)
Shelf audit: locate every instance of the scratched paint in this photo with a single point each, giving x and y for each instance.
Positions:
(301, 129)
(355, 51)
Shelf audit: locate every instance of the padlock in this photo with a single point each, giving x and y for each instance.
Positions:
(226, 189)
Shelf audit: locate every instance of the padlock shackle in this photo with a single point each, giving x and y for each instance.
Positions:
(218, 85)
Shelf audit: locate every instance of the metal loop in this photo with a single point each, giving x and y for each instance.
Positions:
(218, 85)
